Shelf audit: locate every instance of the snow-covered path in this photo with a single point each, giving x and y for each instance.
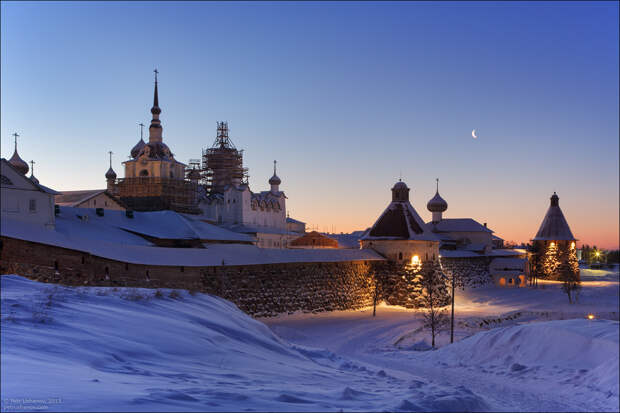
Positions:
(509, 384)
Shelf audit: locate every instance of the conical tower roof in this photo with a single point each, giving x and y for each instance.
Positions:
(554, 226)
(400, 221)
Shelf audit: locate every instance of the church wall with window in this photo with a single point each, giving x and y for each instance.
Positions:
(23, 200)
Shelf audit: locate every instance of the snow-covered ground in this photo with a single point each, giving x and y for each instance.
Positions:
(99, 348)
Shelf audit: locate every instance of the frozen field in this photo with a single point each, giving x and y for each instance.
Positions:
(96, 348)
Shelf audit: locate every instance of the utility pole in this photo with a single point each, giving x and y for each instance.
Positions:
(452, 316)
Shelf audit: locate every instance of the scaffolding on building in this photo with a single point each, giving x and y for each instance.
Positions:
(155, 194)
(222, 163)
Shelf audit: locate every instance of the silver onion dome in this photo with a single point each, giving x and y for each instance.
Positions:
(437, 204)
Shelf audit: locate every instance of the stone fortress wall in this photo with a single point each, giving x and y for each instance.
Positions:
(260, 290)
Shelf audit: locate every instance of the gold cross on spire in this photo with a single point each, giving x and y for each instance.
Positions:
(15, 135)
(110, 152)
(274, 166)
(32, 167)
(156, 72)
(437, 179)
(141, 129)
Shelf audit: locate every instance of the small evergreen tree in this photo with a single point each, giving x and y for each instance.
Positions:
(434, 296)
(568, 272)
(549, 261)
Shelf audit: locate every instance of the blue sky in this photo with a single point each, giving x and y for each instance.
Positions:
(346, 96)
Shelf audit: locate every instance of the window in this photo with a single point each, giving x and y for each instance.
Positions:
(32, 205)
(105, 203)
(144, 172)
(400, 255)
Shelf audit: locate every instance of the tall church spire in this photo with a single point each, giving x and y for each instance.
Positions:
(155, 130)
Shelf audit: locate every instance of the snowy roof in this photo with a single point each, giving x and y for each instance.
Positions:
(34, 184)
(75, 198)
(471, 254)
(348, 240)
(293, 221)
(507, 252)
(255, 229)
(112, 243)
(46, 189)
(554, 226)
(496, 238)
(400, 221)
(157, 224)
(458, 225)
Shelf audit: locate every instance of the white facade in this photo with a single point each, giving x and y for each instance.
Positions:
(24, 200)
(403, 251)
(238, 205)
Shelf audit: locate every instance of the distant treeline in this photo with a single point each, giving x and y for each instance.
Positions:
(595, 255)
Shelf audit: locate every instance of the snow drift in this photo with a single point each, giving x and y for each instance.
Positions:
(107, 349)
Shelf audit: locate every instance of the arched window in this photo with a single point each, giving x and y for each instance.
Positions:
(171, 174)
(56, 265)
(144, 172)
(400, 255)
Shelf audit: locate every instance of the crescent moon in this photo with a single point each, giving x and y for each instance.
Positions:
(473, 134)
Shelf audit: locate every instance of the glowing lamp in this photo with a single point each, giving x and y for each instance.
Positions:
(572, 245)
(598, 253)
(553, 244)
(590, 316)
(415, 260)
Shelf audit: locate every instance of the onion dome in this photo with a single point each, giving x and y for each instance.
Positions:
(156, 150)
(110, 174)
(136, 149)
(437, 204)
(274, 180)
(18, 163)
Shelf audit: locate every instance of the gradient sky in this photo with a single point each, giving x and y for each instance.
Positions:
(346, 96)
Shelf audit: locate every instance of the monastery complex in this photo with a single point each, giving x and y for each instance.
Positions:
(199, 225)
